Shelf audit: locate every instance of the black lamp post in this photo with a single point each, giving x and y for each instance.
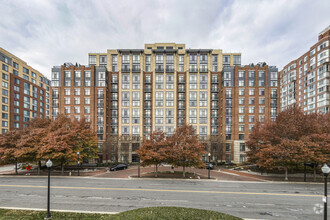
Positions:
(78, 153)
(325, 171)
(209, 166)
(49, 164)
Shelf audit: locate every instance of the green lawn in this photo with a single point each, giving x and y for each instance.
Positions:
(137, 214)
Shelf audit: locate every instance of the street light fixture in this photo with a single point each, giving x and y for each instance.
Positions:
(78, 153)
(49, 164)
(325, 170)
(209, 165)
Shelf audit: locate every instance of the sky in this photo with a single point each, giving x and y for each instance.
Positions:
(48, 33)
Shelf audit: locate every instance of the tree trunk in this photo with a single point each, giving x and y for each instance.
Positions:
(62, 169)
(16, 167)
(184, 171)
(39, 167)
(156, 174)
(314, 173)
(286, 174)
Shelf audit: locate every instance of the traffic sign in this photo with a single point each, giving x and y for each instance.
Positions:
(28, 167)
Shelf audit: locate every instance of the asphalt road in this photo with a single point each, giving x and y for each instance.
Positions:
(257, 200)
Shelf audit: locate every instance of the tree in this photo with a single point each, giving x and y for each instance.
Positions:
(152, 150)
(292, 139)
(31, 140)
(65, 138)
(8, 147)
(184, 148)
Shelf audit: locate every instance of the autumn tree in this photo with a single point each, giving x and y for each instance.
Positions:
(152, 150)
(184, 148)
(9, 147)
(65, 138)
(292, 139)
(31, 140)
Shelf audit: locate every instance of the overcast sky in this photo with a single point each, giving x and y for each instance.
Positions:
(47, 33)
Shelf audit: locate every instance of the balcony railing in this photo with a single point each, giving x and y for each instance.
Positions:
(203, 70)
(181, 98)
(101, 104)
(181, 89)
(147, 89)
(273, 96)
(114, 115)
(273, 105)
(229, 96)
(100, 113)
(100, 96)
(114, 106)
(114, 90)
(148, 81)
(215, 97)
(215, 81)
(181, 107)
(229, 104)
(214, 107)
(215, 89)
(170, 70)
(147, 116)
(159, 70)
(193, 70)
(55, 105)
(114, 98)
(147, 106)
(114, 81)
(55, 96)
(99, 131)
(125, 70)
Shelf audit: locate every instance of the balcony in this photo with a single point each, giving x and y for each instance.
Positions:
(215, 123)
(136, 69)
(181, 89)
(214, 107)
(229, 105)
(229, 96)
(100, 96)
(215, 97)
(229, 114)
(147, 116)
(114, 106)
(55, 105)
(181, 107)
(147, 81)
(214, 89)
(99, 131)
(170, 70)
(114, 98)
(100, 113)
(100, 105)
(147, 89)
(215, 116)
(181, 98)
(273, 96)
(147, 106)
(99, 122)
(114, 123)
(114, 90)
(147, 98)
(125, 70)
(114, 115)
(193, 70)
(115, 81)
(147, 123)
(55, 96)
(203, 70)
(273, 105)
(215, 81)
(159, 70)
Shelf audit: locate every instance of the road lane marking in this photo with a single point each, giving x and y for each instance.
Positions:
(60, 210)
(164, 190)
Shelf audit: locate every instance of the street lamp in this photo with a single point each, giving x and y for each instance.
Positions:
(49, 164)
(325, 171)
(209, 164)
(78, 153)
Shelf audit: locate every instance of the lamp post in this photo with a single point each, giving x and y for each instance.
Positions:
(139, 167)
(325, 171)
(49, 164)
(78, 153)
(209, 165)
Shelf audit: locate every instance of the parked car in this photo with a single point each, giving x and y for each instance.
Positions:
(209, 166)
(119, 167)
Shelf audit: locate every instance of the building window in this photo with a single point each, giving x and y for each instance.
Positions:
(242, 147)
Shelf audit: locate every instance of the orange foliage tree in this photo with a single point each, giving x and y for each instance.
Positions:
(292, 139)
(184, 148)
(152, 150)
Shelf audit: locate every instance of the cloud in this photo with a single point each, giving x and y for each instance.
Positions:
(47, 33)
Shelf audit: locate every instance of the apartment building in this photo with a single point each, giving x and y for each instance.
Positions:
(162, 87)
(305, 81)
(25, 93)
(249, 94)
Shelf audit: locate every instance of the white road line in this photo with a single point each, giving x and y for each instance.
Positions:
(59, 210)
(229, 173)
